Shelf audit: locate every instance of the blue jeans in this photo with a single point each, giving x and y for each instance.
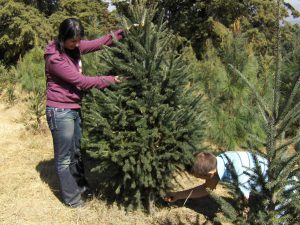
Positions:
(65, 126)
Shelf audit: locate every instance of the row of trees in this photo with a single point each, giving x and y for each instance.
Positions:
(213, 37)
(194, 74)
(26, 24)
(148, 129)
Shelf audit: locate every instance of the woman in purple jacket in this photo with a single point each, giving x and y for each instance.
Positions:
(65, 86)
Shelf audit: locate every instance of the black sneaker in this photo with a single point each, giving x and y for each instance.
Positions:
(79, 204)
(86, 193)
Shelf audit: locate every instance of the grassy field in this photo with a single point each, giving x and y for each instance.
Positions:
(29, 190)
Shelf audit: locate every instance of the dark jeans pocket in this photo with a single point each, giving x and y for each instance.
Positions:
(50, 114)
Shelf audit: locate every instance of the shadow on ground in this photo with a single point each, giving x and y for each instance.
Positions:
(48, 175)
(206, 206)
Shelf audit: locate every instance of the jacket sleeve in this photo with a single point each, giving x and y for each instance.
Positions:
(87, 46)
(60, 68)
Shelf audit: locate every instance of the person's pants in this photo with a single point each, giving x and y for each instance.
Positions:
(65, 126)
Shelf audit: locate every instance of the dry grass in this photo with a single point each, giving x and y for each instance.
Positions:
(29, 193)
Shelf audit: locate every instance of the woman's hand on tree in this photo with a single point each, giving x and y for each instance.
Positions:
(119, 79)
(135, 25)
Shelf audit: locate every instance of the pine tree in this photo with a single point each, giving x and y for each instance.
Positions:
(277, 202)
(144, 130)
(3, 78)
(291, 67)
(8, 81)
(231, 114)
(46, 6)
(93, 14)
(32, 79)
(193, 19)
(21, 28)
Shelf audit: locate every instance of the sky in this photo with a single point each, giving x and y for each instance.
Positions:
(295, 3)
(110, 7)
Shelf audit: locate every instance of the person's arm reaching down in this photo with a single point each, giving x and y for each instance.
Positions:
(196, 192)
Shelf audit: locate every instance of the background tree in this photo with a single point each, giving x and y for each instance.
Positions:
(8, 80)
(149, 126)
(32, 80)
(3, 78)
(93, 14)
(231, 113)
(26, 23)
(290, 65)
(277, 197)
(47, 7)
(193, 19)
(21, 28)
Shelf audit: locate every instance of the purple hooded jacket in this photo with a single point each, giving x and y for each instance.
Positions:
(65, 83)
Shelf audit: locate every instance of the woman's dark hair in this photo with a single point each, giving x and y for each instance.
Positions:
(69, 28)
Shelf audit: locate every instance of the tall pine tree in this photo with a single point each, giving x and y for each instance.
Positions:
(231, 114)
(32, 80)
(148, 127)
(277, 195)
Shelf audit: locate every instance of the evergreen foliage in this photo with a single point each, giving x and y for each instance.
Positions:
(32, 80)
(3, 78)
(21, 28)
(47, 7)
(194, 19)
(291, 67)
(232, 116)
(277, 201)
(29, 23)
(8, 80)
(148, 127)
(93, 14)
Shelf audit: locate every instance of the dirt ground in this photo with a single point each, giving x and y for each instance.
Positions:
(29, 189)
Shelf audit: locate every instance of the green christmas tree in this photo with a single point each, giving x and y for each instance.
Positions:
(277, 196)
(32, 80)
(8, 81)
(144, 130)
